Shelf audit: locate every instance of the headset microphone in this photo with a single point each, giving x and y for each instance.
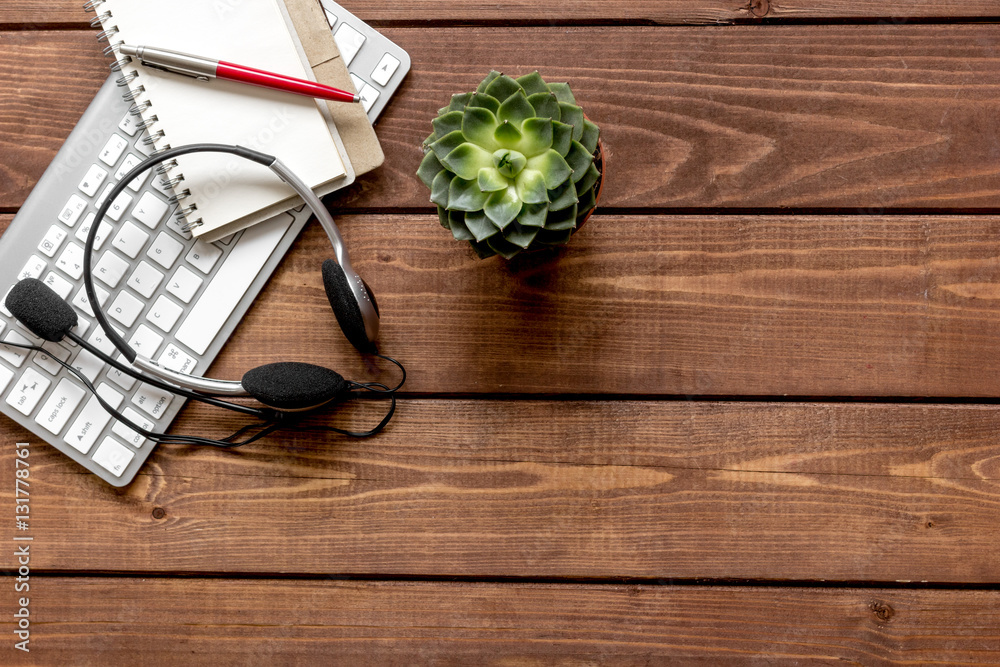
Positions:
(282, 387)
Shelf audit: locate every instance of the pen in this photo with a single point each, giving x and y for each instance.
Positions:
(205, 69)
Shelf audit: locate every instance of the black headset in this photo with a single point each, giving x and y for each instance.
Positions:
(285, 389)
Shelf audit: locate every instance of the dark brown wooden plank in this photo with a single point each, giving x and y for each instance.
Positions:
(213, 622)
(857, 118)
(28, 12)
(657, 490)
(744, 305)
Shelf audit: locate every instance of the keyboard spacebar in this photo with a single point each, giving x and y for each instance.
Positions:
(230, 283)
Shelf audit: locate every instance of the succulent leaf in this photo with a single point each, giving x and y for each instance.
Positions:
(531, 187)
(485, 101)
(589, 179)
(520, 235)
(507, 134)
(502, 87)
(591, 133)
(439, 188)
(533, 83)
(465, 195)
(537, 136)
(579, 160)
(562, 91)
(574, 116)
(564, 219)
(491, 180)
(466, 160)
(533, 215)
(503, 206)
(480, 225)
(546, 105)
(447, 144)
(512, 165)
(447, 123)
(553, 167)
(458, 228)
(516, 109)
(478, 125)
(562, 137)
(490, 78)
(429, 168)
(458, 102)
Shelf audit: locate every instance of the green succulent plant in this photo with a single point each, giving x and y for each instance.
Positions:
(511, 165)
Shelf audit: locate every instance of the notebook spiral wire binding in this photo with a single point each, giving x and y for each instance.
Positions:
(139, 107)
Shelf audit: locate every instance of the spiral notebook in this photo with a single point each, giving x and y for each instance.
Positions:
(219, 195)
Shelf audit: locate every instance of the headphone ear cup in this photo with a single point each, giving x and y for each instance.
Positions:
(346, 307)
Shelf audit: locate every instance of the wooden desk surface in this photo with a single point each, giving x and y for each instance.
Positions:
(748, 414)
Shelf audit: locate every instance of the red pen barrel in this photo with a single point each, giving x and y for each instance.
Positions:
(257, 77)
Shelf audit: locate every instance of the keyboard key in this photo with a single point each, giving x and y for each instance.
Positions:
(100, 340)
(369, 95)
(145, 279)
(59, 285)
(73, 209)
(130, 240)
(129, 125)
(349, 42)
(113, 150)
(6, 375)
(385, 69)
(145, 341)
(113, 456)
(50, 243)
(123, 380)
(60, 406)
(82, 324)
(33, 268)
(142, 147)
(83, 303)
(47, 360)
(70, 261)
(331, 18)
(88, 364)
(128, 164)
(175, 225)
(177, 360)
(102, 233)
(151, 400)
(28, 391)
(165, 250)
(125, 308)
(14, 356)
(92, 182)
(127, 434)
(164, 313)
(230, 283)
(117, 209)
(150, 210)
(110, 269)
(203, 256)
(92, 419)
(184, 284)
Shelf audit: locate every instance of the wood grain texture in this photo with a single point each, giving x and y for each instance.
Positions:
(676, 305)
(652, 490)
(26, 13)
(856, 118)
(208, 622)
(658, 305)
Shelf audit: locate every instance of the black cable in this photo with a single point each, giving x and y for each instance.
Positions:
(166, 386)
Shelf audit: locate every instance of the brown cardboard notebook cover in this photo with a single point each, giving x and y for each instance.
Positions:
(363, 149)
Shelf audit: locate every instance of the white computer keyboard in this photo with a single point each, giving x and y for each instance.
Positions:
(175, 299)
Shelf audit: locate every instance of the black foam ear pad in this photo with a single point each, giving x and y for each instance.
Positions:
(290, 385)
(40, 309)
(346, 307)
